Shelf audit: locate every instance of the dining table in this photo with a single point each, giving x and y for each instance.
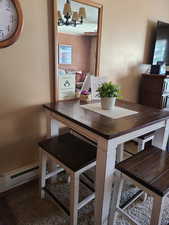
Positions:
(109, 130)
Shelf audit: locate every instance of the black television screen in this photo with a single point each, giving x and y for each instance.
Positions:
(161, 49)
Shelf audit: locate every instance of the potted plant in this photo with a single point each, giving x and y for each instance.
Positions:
(108, 93)
(85, 96)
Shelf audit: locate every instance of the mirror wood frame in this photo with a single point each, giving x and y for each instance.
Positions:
(54, 79)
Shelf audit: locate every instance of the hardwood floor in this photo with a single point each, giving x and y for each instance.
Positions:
(6, 216)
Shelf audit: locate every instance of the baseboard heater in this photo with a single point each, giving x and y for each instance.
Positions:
(18, 176)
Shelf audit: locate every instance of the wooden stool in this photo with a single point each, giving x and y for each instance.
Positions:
(148, 170)
(142, 140)
(75, 156)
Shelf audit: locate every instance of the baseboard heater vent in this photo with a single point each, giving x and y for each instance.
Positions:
(19, 176)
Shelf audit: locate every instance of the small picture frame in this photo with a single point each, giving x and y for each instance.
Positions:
(65, 54)
(96, 82)
(66, 86)
(92, 82)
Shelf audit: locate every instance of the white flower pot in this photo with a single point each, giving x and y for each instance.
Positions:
(108, 103)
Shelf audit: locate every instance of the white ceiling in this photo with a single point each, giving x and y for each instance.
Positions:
(90, 23)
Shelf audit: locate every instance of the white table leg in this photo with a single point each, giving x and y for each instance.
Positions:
(43, 162)
(105, 164)
(74, 199)
(161, 137)
(116, 197)
(52, 127)
(120, 153)
(52, 130)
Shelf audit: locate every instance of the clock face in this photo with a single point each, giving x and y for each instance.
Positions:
(8, 19)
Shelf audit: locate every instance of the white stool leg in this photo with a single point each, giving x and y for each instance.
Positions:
(74, 198)
(119, 153)
(68, 179)
(118, 185)
(144, 197)
(115, 202)
(157, 211)
(141, 145)
(43, 165)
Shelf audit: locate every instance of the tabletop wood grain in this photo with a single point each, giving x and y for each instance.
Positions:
(105, 126)
(150, 168)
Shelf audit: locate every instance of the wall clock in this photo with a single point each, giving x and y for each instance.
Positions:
(11, 22)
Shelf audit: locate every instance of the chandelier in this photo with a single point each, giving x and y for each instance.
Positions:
(70, 17)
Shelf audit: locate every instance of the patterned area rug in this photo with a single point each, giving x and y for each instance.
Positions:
(28, 209)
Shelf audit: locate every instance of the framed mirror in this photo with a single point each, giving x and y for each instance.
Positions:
(77, 43)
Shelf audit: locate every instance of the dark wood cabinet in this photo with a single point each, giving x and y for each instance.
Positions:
(154, 90)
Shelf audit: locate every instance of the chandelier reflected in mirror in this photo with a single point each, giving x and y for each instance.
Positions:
(69, 17)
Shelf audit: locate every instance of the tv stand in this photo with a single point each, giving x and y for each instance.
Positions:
(154, 90)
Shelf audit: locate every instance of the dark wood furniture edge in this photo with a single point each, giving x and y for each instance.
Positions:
(74, 121)
(139, 180)
(154, 90)
(106, 136)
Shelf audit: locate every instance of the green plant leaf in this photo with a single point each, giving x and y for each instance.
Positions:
(108, 89)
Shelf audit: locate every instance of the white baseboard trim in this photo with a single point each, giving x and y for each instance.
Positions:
(18, 177)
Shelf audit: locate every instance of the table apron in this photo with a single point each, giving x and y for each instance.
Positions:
(83, 131)
(137, 133)
(117, 140)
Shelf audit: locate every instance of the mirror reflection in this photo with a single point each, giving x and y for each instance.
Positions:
(77, 39)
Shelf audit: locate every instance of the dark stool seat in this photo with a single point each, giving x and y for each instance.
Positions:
(149, 171)
(150, 168)
(70, 150)
(73, 155)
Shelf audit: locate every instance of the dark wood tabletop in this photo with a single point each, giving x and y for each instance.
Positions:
(105, 126)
